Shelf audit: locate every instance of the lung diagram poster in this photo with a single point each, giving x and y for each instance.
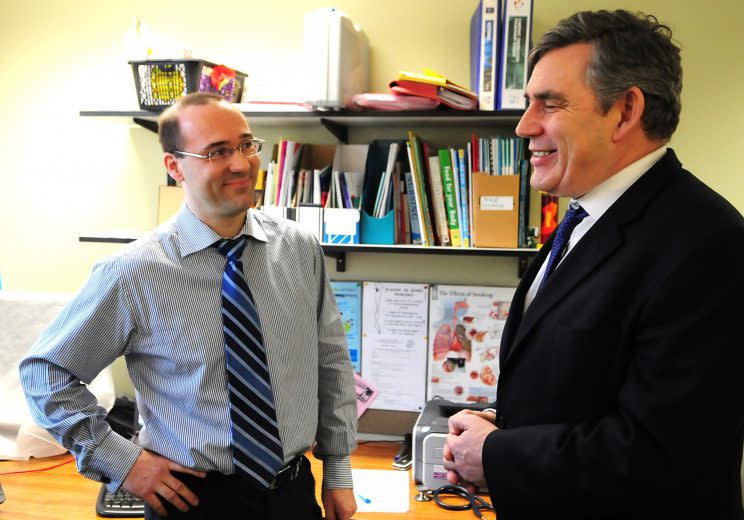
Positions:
(465, 325)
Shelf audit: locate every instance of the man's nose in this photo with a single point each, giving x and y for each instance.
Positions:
(529, 124)
(239, 162)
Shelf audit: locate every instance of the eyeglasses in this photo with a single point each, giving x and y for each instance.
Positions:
(223, 154)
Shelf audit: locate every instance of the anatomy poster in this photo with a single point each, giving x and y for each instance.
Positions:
(465, 325)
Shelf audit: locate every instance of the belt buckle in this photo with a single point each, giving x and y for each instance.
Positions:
(293, 468)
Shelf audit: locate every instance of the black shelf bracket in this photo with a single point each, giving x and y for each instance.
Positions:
(339, 131)
(152, 126)
(340, 257)
(524, 262)
(147, 124)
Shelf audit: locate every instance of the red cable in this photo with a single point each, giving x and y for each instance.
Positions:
(40, 469)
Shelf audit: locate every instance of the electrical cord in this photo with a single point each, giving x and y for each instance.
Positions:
(70, 459)
(474, 502)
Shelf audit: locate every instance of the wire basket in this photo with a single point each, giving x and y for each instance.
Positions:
(160, 83)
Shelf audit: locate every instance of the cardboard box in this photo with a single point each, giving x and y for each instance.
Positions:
(495, 210)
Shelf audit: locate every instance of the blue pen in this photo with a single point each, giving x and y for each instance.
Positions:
(365, 500)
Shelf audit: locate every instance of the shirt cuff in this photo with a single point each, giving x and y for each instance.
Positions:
(337, 473)
(492, 410)
(112, 460)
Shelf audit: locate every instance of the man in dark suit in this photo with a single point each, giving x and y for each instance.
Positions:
(620, 394)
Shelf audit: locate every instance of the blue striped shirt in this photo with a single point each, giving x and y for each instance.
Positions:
(157, 302)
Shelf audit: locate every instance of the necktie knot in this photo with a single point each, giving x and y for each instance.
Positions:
(574, 215)
(232, 248)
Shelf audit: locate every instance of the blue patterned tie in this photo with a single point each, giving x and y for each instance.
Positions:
(571, 219)
(257, 448)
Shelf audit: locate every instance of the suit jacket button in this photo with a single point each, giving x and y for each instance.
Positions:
(500, 423)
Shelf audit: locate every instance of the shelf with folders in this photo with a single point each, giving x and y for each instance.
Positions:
(410, 197)
(337, 122)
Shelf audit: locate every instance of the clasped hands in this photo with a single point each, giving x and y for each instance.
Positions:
(463, 452)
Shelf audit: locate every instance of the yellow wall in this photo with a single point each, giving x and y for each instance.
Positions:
(63, 175)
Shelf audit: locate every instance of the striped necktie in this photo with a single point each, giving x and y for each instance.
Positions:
(257, 448)
(571, 219)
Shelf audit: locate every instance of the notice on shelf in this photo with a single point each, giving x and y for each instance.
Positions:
(394, 343)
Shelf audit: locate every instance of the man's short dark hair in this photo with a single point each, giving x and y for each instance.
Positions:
(169, 133)
(628, 49)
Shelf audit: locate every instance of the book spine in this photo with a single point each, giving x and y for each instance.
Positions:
(345, 198)
(268, 197)
(475, 49)
(316, 186)
(489, 52)
(417, 194)
(450, 201)
(458, 195)
(414, 217)
(396, 206)
(464, 211)
(278, 178)
(469, 171)
(419, 171)
(516, 31)
(437, 196)
(405, 219)
(524, 202)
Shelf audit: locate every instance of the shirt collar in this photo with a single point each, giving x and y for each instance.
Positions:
(194, 235)
(599, 200)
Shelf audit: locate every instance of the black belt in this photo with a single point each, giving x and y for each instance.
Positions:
(289, 471)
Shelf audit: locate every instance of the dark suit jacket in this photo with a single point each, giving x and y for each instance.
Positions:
(620, 393)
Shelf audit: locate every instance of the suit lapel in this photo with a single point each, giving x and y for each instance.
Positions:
(584, 258)
(516, 309)
(604, 238)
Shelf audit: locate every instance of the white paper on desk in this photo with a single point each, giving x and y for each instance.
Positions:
(381, 491)
(23, 317)
(394, 342)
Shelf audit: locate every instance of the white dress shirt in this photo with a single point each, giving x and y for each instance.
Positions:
(596, 203)
(157, 303)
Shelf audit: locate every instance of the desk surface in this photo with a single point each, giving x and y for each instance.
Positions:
(62, 493)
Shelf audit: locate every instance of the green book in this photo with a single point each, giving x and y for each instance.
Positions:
(450, 202)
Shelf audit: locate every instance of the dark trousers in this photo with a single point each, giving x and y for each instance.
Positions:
(234, 496)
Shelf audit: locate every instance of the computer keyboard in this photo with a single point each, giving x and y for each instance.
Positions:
(119, 504)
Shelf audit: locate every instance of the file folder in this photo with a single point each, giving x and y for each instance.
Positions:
(495, 210)
(378, 230)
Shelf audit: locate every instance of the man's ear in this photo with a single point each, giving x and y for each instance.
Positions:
(630, 107)
(172, 167)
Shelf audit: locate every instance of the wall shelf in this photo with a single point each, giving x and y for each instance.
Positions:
(339, 252)
(337, 122)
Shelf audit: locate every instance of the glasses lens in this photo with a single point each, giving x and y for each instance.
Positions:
(221, 154)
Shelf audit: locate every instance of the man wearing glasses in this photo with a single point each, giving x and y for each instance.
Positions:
(235, 347)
